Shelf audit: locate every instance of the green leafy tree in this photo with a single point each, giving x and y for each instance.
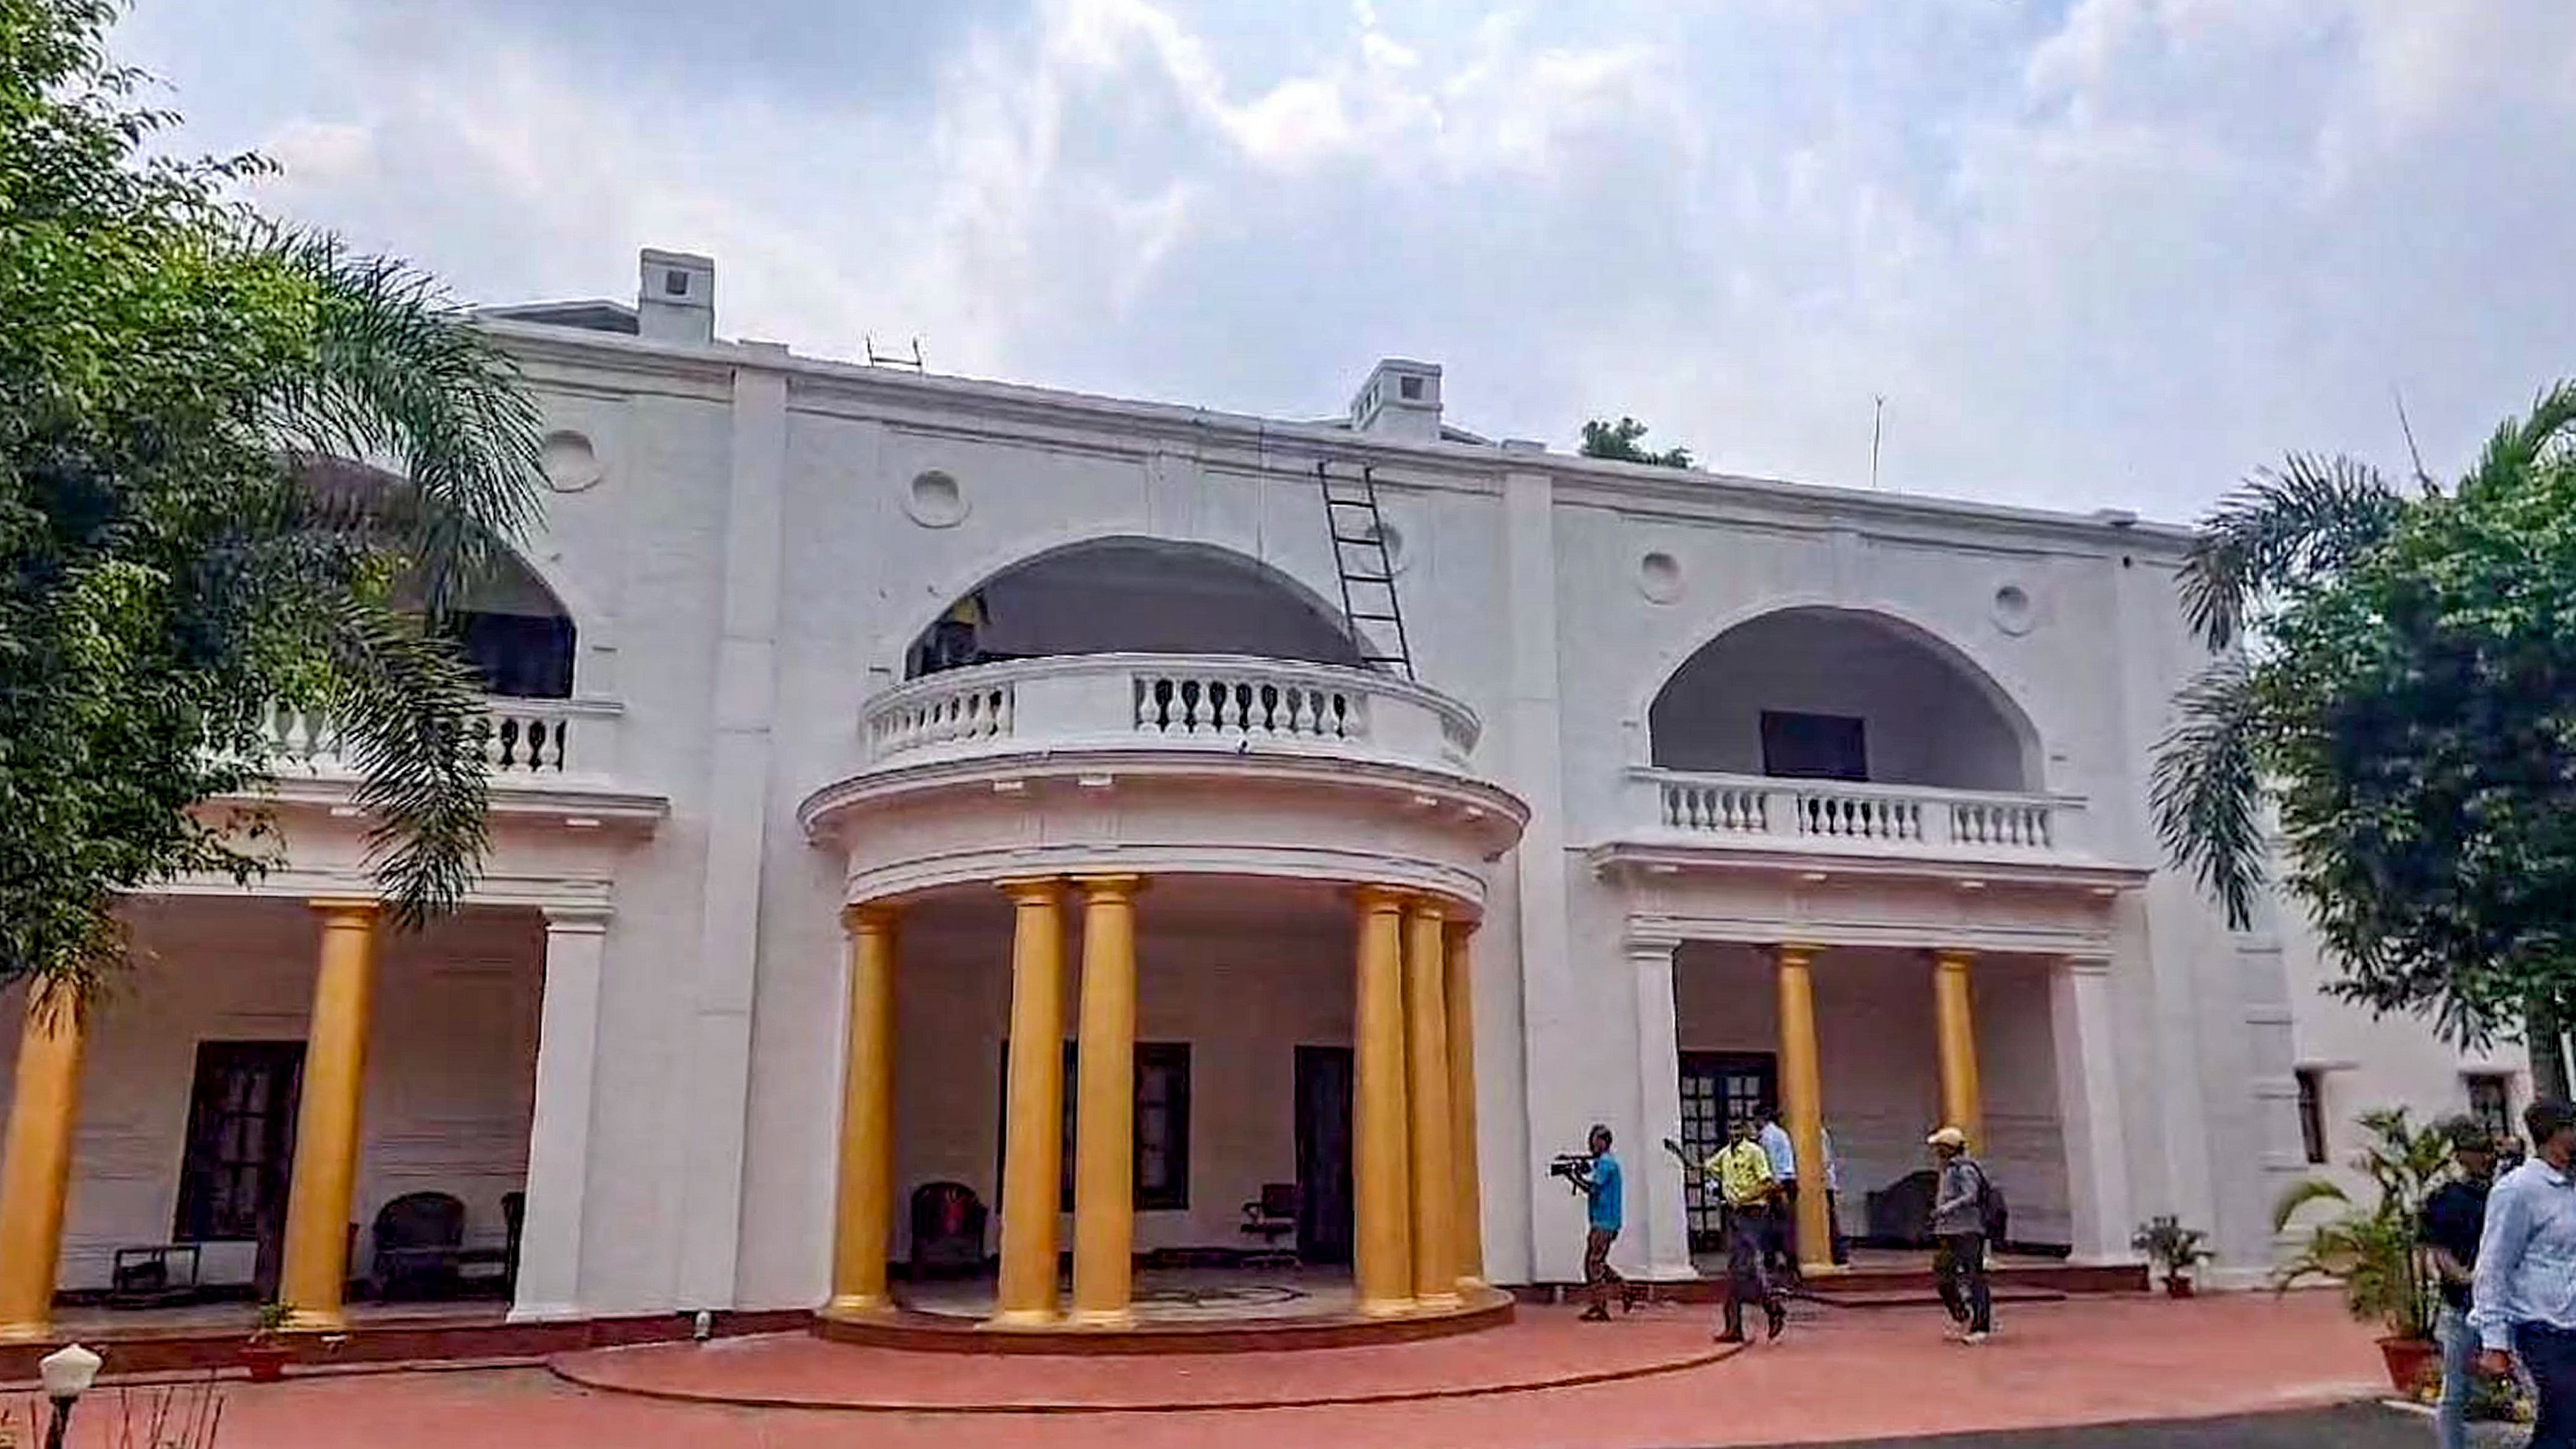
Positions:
(178, 552)
(1623, 441)
(2396, 687)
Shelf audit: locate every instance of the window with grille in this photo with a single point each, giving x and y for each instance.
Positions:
(2312, 1115)
(1162, 1124)
(241, 1134)
(2491, 1102)
(1716, 1088)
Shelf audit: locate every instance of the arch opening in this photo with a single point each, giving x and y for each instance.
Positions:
(1842, 694)
(510, 626)
(516, 634)
(1132, 595)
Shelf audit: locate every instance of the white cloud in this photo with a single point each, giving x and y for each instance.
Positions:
(2092, 251)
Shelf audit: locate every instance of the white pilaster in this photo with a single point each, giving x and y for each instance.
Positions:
(2088, 1092)
(711, 1110)
(1559, 1084)
(1657, 1213)
(549, 1283)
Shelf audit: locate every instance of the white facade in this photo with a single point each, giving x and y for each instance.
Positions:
(641, 1015)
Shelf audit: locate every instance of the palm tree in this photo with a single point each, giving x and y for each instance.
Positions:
(2286, 536)
(365, 576)
(179, 552)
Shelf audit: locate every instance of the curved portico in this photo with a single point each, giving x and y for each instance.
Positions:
(1107, 800)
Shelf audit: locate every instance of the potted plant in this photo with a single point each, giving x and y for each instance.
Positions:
(264, 1352)
(2165, 1240)
(2371, 1249)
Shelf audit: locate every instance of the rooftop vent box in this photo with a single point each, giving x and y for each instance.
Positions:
(1401, 399)
(675, 296)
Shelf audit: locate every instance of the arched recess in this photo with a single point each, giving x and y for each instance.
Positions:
(1133, 595)
(1837, 693)
(512, 625)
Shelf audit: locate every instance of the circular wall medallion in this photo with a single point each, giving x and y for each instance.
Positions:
(934, 500)
(2012, 611)
(569, 462)
(1659, 577)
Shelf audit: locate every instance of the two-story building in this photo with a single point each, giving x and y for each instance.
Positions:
(918, 798)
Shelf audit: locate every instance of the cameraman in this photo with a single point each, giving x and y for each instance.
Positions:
(1601, 1183)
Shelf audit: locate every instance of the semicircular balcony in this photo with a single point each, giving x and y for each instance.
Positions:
(1226, 704)
(1157, 706)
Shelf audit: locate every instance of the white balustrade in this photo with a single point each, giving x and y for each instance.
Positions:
(2001, 822)
(1192, 702)
(525, 741)
(1845, 815)
(1114, 701)
(966, 711)
(1830, 815)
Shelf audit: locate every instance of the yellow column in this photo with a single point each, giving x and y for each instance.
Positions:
(1469, 1198)
(37, 1167)
(1104, 1137)
(1435, 1177)
(326, 1120)
(866, 1216)
(1032, 1160)
(1955, 1020)
(1382, 1254)
(1802, 1107)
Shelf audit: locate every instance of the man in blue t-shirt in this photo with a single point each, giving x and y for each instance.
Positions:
(1604, 1188)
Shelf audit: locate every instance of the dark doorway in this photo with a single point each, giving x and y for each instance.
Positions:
(1716, 1088)
(1324, 1154)
(240, 1148)
(520, 656)
(1814, 746)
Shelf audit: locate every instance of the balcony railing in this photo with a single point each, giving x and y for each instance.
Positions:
(1229, 703)
(1754, 810)
(526, 742)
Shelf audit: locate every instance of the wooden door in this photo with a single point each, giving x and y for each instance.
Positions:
(1324, 1082)
(241, 1150)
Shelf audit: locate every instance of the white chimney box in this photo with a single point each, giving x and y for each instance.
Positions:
(1400, 399)
(675, 297)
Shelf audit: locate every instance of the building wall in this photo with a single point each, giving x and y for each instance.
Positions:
(451, 1067)
(755, 556)
(2363, 1063)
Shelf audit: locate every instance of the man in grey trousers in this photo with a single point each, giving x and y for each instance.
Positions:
(1959, 1236)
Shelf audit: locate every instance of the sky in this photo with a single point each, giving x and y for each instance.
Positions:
(2091, 253)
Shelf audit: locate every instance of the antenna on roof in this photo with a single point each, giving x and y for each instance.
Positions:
(2423, 479)
(892, 359)
(1877, 414)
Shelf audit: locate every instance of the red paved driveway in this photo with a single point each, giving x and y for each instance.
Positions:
(1841, 1375)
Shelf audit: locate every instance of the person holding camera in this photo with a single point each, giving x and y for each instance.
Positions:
(1604, 1189)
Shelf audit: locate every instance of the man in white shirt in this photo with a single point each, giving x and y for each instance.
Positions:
(1834, 1202)
(1782, 1250)
(2523, 1303)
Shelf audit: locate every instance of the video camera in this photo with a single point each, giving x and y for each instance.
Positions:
(1574, 1167)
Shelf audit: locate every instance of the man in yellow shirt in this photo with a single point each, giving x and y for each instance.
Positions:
(1741, 1171)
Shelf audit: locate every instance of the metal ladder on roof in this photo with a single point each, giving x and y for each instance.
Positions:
(1366, 570)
